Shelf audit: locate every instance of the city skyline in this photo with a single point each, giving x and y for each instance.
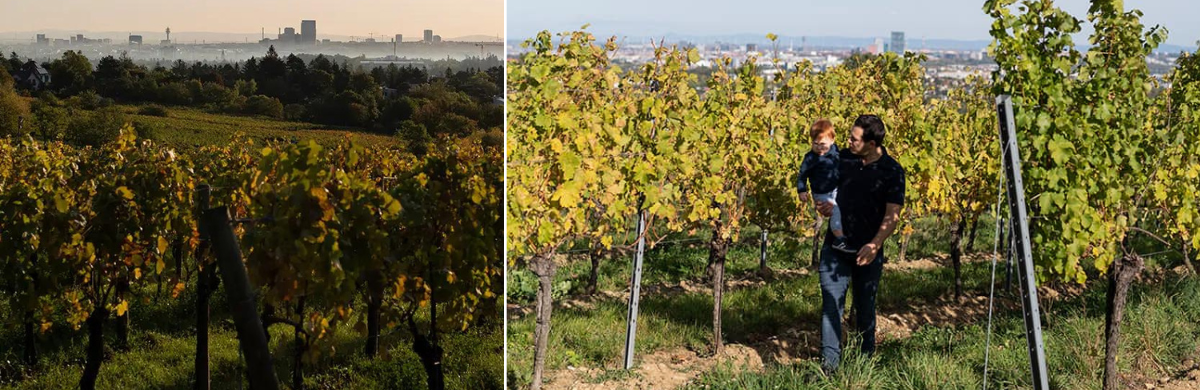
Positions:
(936, 19)
(357, 18)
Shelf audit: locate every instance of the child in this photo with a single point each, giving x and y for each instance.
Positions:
(820, 170)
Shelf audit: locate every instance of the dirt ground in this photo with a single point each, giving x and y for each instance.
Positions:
(660, 370)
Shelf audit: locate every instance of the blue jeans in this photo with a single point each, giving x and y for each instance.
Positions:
(835, 220)
(838, 272)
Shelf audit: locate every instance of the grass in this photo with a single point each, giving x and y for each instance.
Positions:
(1160, 330)
(162, 355)
(183, 127)
(1161, 327)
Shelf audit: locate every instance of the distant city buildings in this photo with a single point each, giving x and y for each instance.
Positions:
(141, 44)
(308, 32)
(945, 69)
(79, 39)
(897, 45)
(288, 35)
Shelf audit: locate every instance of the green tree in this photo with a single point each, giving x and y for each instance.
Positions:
(71, 74)
(14, 111)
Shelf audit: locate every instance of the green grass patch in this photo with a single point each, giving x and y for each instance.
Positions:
(163, 345)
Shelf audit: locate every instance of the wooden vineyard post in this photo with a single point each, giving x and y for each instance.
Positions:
(241, 298)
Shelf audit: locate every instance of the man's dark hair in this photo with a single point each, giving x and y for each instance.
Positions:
(873, 129)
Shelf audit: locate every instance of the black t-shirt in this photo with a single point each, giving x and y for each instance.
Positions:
(863, 194)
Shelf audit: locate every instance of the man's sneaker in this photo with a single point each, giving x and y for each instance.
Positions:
(839, 243)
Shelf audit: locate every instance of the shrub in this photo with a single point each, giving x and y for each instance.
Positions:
(148, 130)
(98, 128)
(89, 100)
(153, 110)
(492, 139)
(49, 122)
(13, 110)
(294, 112)
(263, 105)
(415, 136)
(174, 94)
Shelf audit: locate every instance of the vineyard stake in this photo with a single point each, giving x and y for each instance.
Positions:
(635, 290)
(203, 374)
(1020, 232)
(762, 256)
(240, 292)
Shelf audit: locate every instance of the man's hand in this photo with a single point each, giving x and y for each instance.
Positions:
(867, 254)
(825, 208)
(891, 217)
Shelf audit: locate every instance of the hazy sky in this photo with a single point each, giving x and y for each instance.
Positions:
(448, 18)
(943, 19)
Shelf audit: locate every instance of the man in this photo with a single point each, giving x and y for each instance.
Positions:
(871, 194)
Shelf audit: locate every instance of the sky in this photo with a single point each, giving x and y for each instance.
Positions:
(931, 19)
(448, 18)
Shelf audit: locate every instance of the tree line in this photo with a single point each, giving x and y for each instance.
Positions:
(416, 103)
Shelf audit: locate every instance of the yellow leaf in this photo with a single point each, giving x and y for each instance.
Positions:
(178, 289)
(158, 267)
(122, 308)
(137, 273)
(60, 203)
(45, 326)
(125, 192)
(162, 245)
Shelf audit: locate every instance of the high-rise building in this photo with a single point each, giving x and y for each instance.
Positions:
(399, 38)
(437, 39)
(428, 36)
(41, 39)
(308, 32)
(897, 45)
(135, 39)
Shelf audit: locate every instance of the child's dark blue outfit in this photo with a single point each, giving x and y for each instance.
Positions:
(821, 173)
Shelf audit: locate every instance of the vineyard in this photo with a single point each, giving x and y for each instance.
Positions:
(367, 266)
(184, 128)
(604, 161)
